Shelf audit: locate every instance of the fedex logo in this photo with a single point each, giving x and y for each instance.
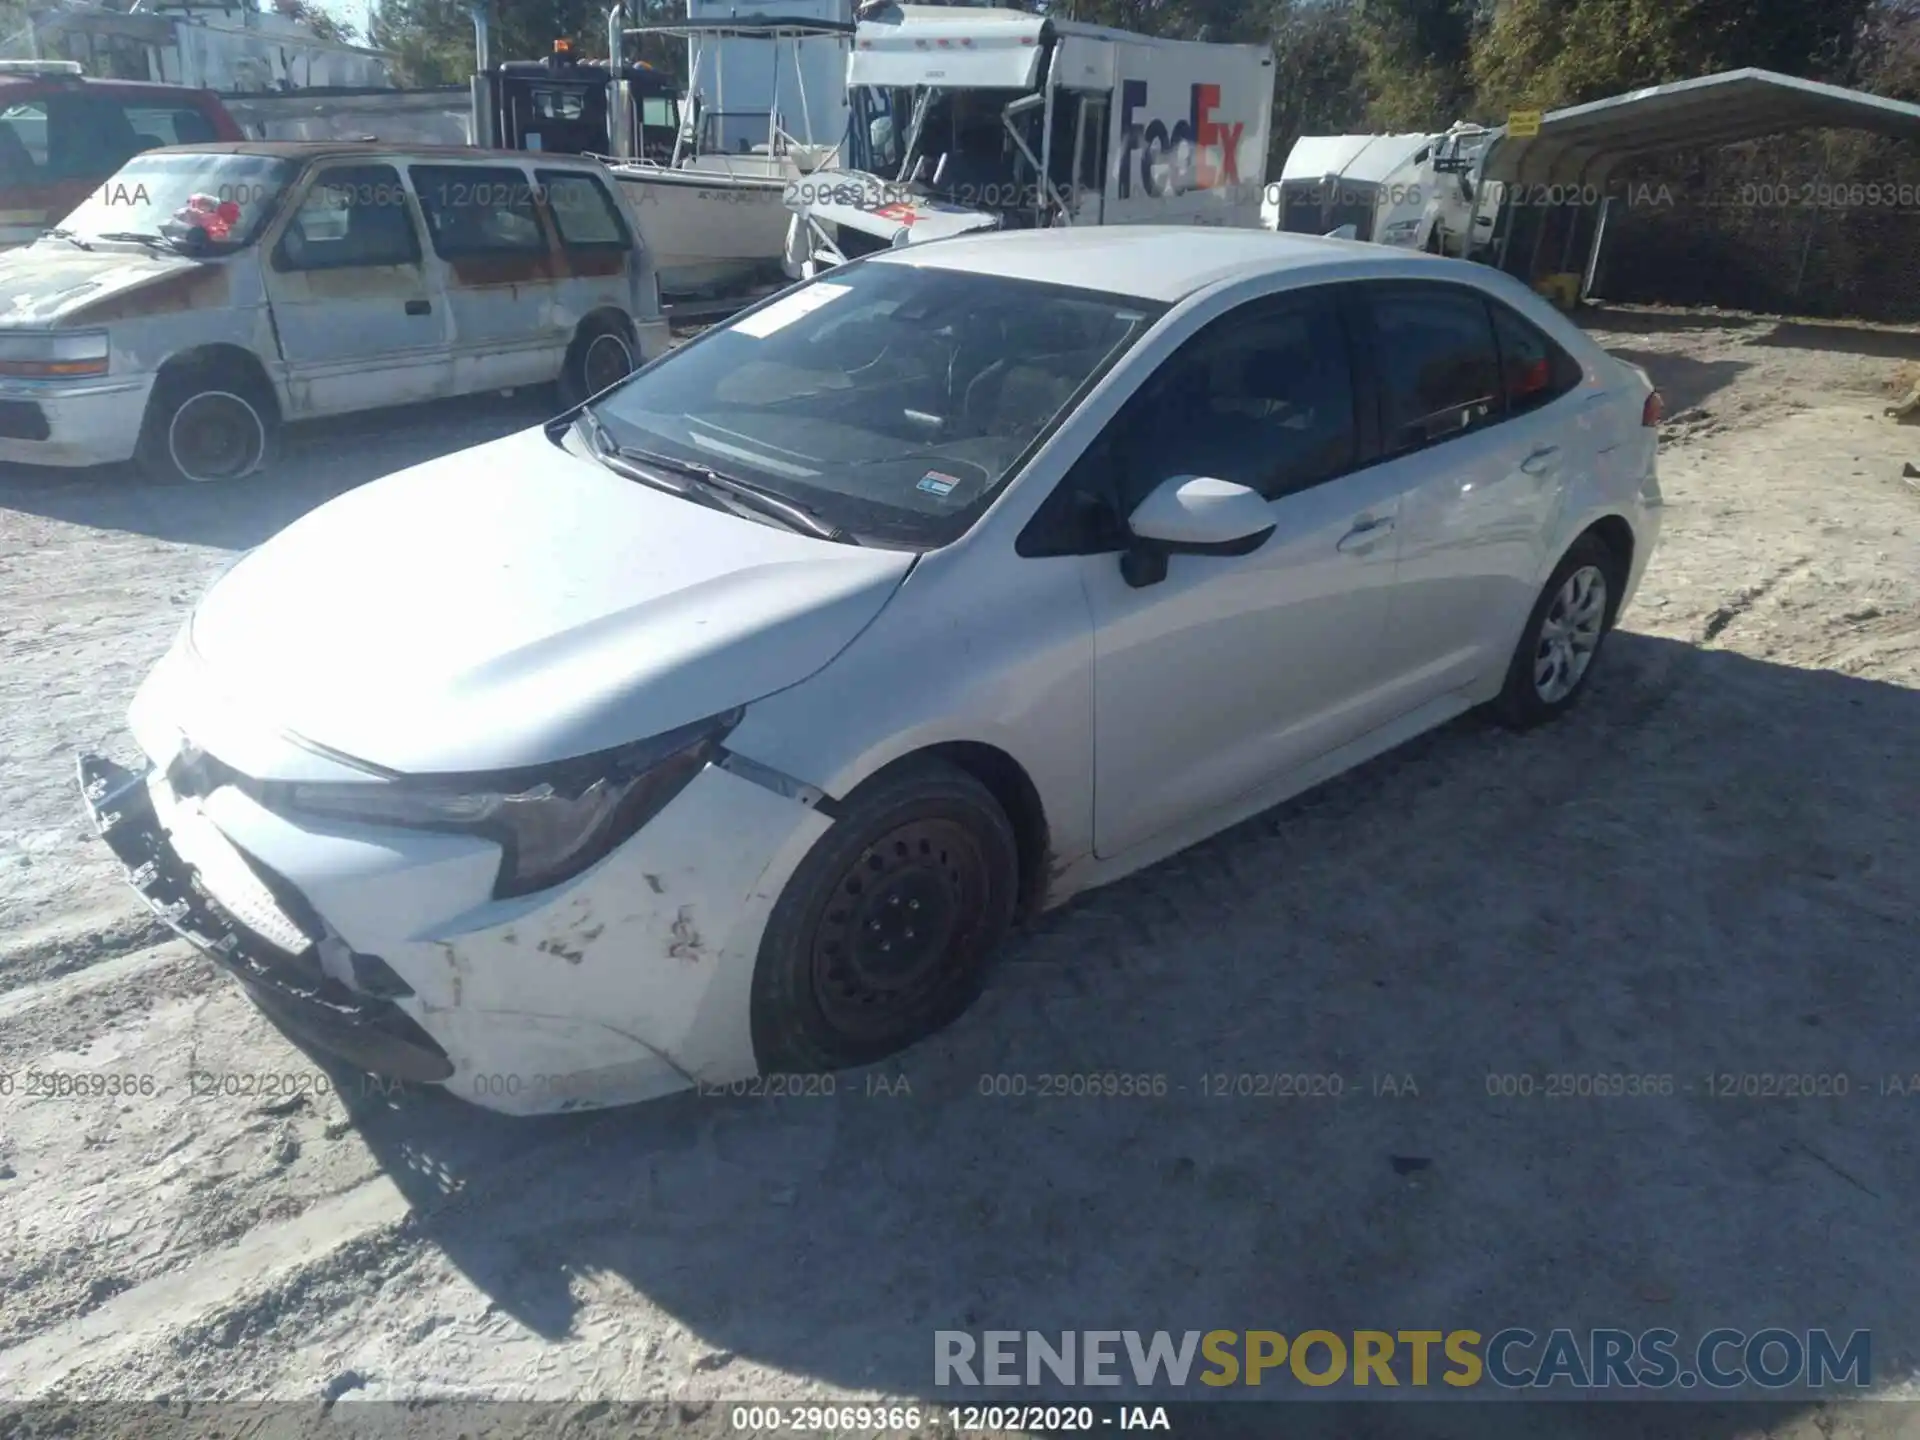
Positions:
(1199, 132)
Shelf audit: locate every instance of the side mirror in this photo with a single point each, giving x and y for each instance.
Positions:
(1193, 515)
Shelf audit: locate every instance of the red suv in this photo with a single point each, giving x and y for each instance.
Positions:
(62, 134)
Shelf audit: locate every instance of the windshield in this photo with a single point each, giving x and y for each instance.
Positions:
(198, 202)
(892, 400)
(966, 128)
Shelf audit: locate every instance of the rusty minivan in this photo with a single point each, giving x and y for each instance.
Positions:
(207, 294)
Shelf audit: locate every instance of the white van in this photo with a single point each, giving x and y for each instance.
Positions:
(207, 294)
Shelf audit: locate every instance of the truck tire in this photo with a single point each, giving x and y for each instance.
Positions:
(207, 423)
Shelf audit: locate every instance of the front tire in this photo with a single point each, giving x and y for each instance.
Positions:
(205, 426)
(883, 935)
(1570, 621)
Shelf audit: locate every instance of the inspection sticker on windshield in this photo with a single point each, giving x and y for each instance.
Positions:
(783, 313)
(934, 483)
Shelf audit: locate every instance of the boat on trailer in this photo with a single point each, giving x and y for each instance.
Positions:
(713, 213)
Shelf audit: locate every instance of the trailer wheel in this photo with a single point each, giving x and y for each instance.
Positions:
(601, 355)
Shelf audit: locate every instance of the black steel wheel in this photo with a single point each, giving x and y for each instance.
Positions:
(883, 934)
(879, 952)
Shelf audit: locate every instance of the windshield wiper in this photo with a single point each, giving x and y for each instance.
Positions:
(765, 502)
(610, 455)
(138, 237)
(60, 232)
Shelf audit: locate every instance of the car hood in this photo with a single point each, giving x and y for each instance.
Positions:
(51, 281)
(515, 604)
(906, 221)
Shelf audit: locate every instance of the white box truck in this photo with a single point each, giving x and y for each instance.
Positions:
(973, 118)
(1418, 192)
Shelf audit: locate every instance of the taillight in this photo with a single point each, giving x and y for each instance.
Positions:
(1655, 407)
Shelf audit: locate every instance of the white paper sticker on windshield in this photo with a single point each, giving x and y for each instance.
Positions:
(783, 313)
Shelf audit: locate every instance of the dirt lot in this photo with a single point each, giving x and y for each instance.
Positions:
(1708, 869)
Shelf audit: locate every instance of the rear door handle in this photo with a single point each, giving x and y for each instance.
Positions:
(419, 307)
(1541, 460)
(1365, 534)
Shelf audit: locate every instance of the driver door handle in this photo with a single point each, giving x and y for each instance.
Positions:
(419, 307)
(1365, 534)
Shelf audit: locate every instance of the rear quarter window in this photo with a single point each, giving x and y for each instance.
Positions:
(1534, 369)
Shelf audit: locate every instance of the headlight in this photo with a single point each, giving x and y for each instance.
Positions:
(551, 822)
(53, 354)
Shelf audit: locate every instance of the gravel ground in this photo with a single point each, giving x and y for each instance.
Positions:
(1708, 868)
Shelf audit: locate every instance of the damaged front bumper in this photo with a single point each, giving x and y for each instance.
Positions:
(386, 947)
(282, 974)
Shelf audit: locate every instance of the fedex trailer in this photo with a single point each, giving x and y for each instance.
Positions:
(975, 118)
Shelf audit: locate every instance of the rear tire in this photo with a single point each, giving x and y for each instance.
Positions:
(883, 935)
(602, 354)
(1563, 635)
(207, 424)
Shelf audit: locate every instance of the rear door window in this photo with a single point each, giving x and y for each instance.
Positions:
(1437, 364)
(478, 210)
(583, 212)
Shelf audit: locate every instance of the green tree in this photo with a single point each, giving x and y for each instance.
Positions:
(1418, 60)
(1319, 72)
(1548, 53)
(1887, 57)
(432, 40)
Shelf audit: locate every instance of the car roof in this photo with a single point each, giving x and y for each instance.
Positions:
(1154, 262)
(129, 89)
(367, 149)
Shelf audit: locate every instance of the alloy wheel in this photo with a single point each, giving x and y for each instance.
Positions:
(1569, 634)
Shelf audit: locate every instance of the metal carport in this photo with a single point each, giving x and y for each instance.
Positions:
(1582, 147)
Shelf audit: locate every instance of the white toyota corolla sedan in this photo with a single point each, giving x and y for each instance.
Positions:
(720, 728)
